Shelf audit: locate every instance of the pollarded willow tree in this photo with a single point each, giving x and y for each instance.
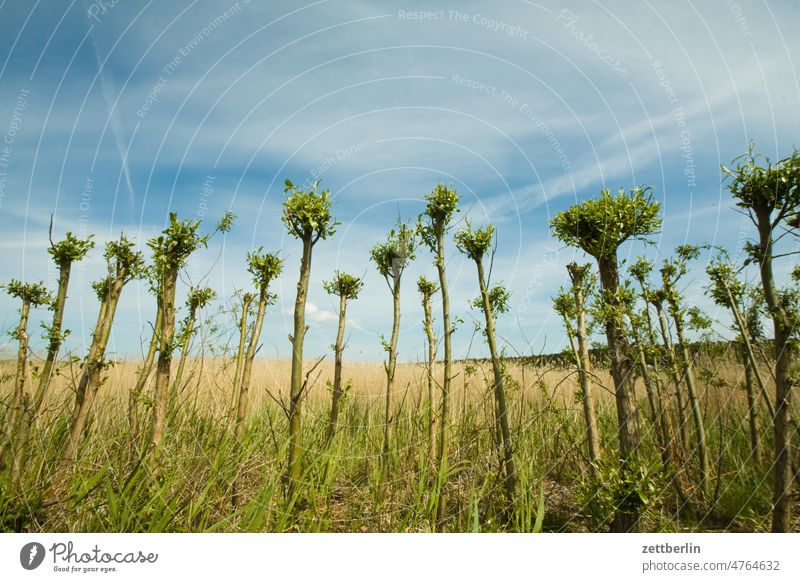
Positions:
(671, 273)
(124, 265)
(427, 289)
(598, 227)
(769, 195)
(346, 287)
(476, 244)
(265, 268)
(30, 295)
(171, 250)
(433, 225)
(307, 217)
(571, 306)
(64, 253)
(391, 259)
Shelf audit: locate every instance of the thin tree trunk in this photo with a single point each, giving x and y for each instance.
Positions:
(653, 399)
(390, 368)
(21, 400)
(293, 468)
(584, 367)
(441, 456)
(656, 408)
(431, 363)
(337, 370)
(752, 407)
(90, 380)
(187, 342)
(509, 471)
(784, 358)
(55, 336)
(22, 366)
(748, 350)
(164, 365)
(627, 516)
(247, 371)
(673, 370)
(237, 374)
(691, 389)
(670, 457)
(579, 368)
(144, 372)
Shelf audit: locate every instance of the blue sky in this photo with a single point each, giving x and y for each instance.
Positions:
(113, 114)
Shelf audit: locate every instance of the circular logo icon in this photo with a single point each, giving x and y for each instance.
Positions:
(31, 555)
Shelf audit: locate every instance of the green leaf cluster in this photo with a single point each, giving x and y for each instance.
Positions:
(344, 285)
(264, 267)
(392, 257)
(179, 240)
(307, 213)
(124, 262)
(765, 187)
(442, 205)
(600, 225)
(35, 294)
(475, 243)
(499, 300)
(722, 277)
(426, 287)
(70, 249)
(199, 298)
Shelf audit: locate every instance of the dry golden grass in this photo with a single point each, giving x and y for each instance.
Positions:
(208, 385)
(202, 460)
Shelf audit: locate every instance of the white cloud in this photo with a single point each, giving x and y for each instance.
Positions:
(318, 315)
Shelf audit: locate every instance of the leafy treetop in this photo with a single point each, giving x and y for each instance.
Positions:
(676, 267)
(640, 270)
(426, 287)
(724, 281)
(70, 249)
(199, 298)
(442, 204)
(581, 275)
(564, 304)
(600, 225)
(123, 261)
(35, 294)
(764, 189)
(307, 213)
(264, 267)
(226, 221)
(179, 240)
(393, 256)
(124, 264)
(474, 243)
(344, 285)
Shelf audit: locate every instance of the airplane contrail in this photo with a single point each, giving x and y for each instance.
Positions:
(109, 96)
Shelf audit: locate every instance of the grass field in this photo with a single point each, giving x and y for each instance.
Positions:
(347, 485)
